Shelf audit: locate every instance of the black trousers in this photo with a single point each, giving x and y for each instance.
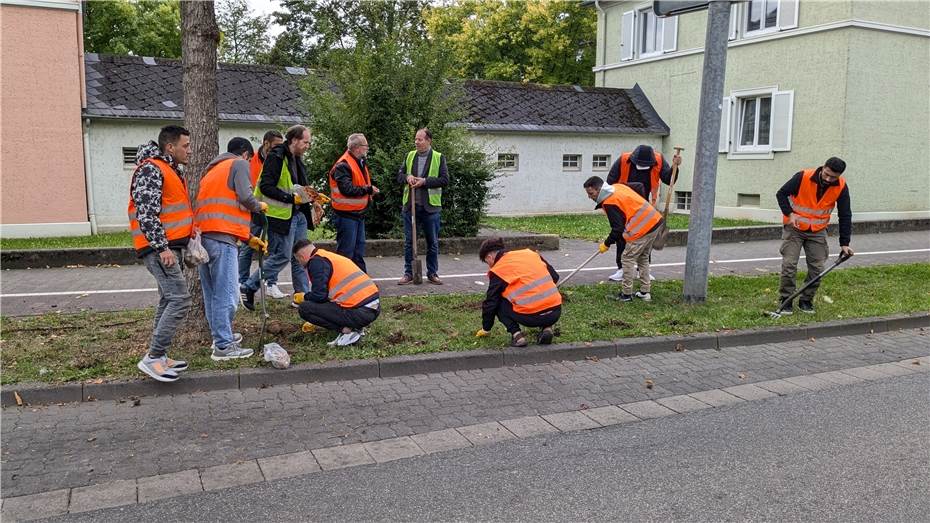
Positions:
(512, 320)
(333, 317)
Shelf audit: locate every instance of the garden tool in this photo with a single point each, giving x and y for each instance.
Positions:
(417, 265)
(777, 314)
(662, 237)
(272, 352)
(574, 272)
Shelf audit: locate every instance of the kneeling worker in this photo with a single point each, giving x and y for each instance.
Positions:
(342, 297)
(521, 291)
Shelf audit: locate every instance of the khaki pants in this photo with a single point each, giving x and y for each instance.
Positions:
(636, 256)
(815, 248)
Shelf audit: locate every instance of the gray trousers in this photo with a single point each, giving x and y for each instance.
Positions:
(174, 300)
(815, 248)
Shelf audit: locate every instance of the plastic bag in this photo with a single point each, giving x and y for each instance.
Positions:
(277, 356)
(195, 254)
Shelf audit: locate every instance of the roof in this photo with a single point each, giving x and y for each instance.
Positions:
(143, 87)
(517, 107)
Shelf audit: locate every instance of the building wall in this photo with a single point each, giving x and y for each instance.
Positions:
(41, 139)
(540, 185)
(111, 176)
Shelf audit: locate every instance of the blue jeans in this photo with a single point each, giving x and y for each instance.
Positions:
(245, 257)
(429, 224)
(279, 249)
(350, 239)
(220, 292)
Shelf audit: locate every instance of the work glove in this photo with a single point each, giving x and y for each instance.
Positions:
(298, 200)
(263, 207)
(256, 244)
(298, 299)
(307, 327)
(481, 333)
(602, 248)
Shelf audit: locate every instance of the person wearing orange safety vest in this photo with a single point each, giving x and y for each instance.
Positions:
(342, 297)
(161, 221)
(271, 139)
(223, 213)
(521, 291)
(806, 202)
(634, 226)
(351, 191)
(644, 166)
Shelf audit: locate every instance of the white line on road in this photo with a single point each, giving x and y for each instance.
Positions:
(450, 276)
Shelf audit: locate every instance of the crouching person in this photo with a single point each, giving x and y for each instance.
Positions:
(521, 291)
(342, 297)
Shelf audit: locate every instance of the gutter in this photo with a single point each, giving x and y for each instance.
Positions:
(89, 180)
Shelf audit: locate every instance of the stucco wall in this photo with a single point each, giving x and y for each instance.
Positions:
(111, 177)
(41, 139)
(540, 185)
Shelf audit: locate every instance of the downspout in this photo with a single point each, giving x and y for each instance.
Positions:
(603, 52)
(89, 180)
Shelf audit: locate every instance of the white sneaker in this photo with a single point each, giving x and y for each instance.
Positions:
(617, 276)
(652, 278)
(349, 338)
(274, 292)
(645, 296)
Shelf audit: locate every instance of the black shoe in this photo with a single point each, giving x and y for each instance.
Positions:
(806, 307)
(248, 298)
(625, 297)
(545, 336)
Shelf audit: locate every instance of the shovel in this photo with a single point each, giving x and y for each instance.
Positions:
(417, 264)
(574, 272)
(662, 237)
(777, 314)
(272, 352)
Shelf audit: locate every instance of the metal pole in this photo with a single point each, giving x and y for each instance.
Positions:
(705, 158)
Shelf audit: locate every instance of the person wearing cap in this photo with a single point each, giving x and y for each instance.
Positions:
(645, 166)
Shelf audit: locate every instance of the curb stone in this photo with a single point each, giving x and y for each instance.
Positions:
(42, 394)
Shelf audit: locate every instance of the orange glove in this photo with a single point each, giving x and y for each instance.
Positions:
(256, 243)
(264, 206)
(298, 297)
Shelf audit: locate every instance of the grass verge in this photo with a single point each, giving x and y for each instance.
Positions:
(592, 226)
(88, 346)
(109, 239)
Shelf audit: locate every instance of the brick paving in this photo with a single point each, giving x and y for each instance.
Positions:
(74, 445)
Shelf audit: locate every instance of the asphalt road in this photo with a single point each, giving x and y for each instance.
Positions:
(846, 454)
(37, 291)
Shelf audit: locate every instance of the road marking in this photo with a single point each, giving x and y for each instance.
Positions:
(451, 276)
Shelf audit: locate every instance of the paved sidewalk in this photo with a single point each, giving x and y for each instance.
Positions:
(73, 445)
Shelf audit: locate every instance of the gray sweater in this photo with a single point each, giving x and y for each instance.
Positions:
(239, 181)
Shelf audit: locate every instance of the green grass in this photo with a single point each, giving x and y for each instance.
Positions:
(592, 226)
(109, 239)
(68, 347)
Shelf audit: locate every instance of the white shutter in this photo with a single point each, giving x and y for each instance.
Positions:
(670, 34)
(787, 14)
(734, 20)
(626, 35)
(782, 116)
(725, 124)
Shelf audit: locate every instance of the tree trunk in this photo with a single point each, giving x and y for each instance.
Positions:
(200, 37)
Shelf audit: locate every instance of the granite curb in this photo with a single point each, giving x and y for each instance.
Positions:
(394, 366)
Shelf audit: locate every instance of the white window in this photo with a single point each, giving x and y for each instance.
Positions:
(508, 161)
(683, 200)
(129, 156)
(571, 162)
(756, 121)
(757, 17)
(600, 162)
(761, 15)
(643, 34)
(650, 33)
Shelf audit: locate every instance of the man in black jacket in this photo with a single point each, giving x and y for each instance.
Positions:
(351, 191)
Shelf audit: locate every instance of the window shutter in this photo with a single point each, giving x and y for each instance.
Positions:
(787, 14)
(626, 35)
(734, 20)
(782, 116)
(670, 34)
(725, 124)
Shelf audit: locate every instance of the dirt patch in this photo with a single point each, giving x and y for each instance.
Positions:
(610, 322)
(408, 308)
(470, 306)
(280, 327)
(396, 337)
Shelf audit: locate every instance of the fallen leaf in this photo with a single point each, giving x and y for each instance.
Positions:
(93, 438)
(19, 399)
(812, 339)
(679, 347)
(827, 298)
(649, 384)
(915, 362)
(595, 359)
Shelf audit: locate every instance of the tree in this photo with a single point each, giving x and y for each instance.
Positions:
(141, 28)
(244, 37)
(546, 41)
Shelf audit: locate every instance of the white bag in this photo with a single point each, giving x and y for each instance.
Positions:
(276, 354)
(195, 254)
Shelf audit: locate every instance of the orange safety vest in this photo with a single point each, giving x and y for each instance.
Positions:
(359, 178)
(176, 215)
(348, 285)
(530, 288)
(654, 179)
(255, 169)
(641, 216)
(813, 215)
(217, 208)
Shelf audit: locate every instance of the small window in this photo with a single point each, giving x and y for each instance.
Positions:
(508, 161)
(650, 33)
(761, 15)
(683, 200)
(600, 162)
(571, 162)
(755, 123)
(129, 156)
(748, 200)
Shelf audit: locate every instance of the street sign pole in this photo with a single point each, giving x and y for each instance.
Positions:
(705, 160)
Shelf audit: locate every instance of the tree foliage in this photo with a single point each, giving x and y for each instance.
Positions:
(141, 28)
(546, 41)
(244, 34)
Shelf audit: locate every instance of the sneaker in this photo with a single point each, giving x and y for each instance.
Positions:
(617, 276)
(788, 310)
(248, 298)
(625, 297)
(806, 307)
(175, 365)
(645, 296)
(335, 341)
(233, 352)
(294, 304)
(273, 292)
(348, 338)
(406, 280)
(237, 339)
(157, 369)
(545, 336)
(518, 340)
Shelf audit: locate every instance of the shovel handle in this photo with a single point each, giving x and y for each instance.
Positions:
(574, 272)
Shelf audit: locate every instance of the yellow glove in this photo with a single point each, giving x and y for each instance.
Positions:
(264, 206)
(481, 333)
(298, 200)
(299, 298)
(602, 248)
(256, 244)
(307, 327)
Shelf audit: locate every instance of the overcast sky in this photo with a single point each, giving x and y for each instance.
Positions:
(266, 7)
